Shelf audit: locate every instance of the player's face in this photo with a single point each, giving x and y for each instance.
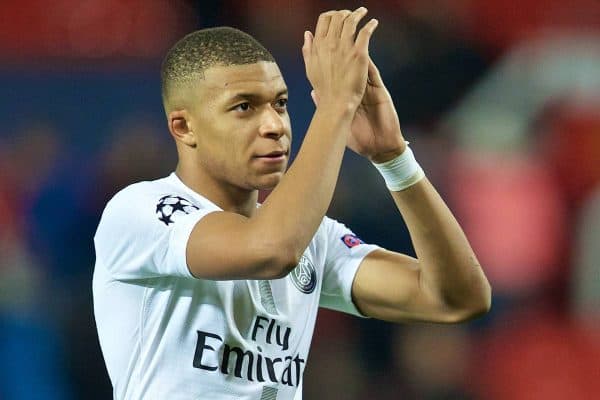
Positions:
(241, 125)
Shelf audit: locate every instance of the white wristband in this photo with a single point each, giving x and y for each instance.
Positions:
(401, 172)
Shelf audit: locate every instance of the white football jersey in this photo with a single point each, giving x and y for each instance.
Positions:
(167, 335)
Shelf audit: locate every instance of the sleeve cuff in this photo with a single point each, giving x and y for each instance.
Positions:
(180, 236)
(346, 303)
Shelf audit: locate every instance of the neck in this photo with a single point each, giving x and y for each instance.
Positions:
(228, 197)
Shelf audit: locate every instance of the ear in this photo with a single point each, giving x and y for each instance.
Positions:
(181, 127)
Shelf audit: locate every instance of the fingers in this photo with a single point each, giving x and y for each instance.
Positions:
(307, 46)
(323, 24)
(364, 35)
(337, 23)
(337, 61)
(351, 22)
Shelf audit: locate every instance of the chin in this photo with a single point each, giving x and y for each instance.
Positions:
(269, 181)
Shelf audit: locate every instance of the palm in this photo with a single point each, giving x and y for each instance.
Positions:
(375, 130)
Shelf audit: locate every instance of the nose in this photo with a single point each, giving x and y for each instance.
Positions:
(272, 124)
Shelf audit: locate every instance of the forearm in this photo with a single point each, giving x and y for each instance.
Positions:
(293, 211)
(448, 265)
(336, 61)
(276, 235)
(274, 238)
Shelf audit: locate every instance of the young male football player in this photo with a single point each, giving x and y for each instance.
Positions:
(200, 293)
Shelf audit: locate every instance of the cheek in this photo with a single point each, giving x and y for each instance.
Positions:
(288, 126)
(220, 137)
(225, 153)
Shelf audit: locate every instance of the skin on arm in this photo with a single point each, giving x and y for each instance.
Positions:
(270, 242)
(445, 284)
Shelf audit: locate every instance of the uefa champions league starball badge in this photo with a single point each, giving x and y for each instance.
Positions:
(170, 206)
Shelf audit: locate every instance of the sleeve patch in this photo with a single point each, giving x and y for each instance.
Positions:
(169, 206)
(351, 240)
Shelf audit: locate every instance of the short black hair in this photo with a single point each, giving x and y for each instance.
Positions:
(199, 50)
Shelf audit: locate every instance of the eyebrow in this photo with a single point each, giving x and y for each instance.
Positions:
(253, 96)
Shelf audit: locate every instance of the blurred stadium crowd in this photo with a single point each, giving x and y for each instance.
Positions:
(500, 100)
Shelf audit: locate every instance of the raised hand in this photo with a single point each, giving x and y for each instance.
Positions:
(336, 62)
(375, 131)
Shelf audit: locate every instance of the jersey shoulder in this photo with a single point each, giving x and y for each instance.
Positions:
(163, 200)
(333, 230)
(144, 228)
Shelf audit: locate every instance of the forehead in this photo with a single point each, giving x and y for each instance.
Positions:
(262, 78)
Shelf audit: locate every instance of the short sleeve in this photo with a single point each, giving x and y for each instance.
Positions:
(145, 235)
(345, 252)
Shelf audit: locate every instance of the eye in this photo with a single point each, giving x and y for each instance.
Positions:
(281, 103)
(242, 107)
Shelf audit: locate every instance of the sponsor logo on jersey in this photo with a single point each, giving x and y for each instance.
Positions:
(170, 206)
(351, 240)
(265, 357)
(304, 276)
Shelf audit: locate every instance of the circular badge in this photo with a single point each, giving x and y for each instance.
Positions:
(171, 206)
(304, 276)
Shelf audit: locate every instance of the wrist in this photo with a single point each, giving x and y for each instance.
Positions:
(337, 109)
(337, 117)
(381, 158)
(400, 172)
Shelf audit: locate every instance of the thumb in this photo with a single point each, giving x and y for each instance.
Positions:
(307, 46)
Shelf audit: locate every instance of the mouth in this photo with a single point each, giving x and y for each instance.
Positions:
(277, 155)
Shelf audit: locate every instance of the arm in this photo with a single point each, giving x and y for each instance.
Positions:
(270, 243)
(446, 282)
